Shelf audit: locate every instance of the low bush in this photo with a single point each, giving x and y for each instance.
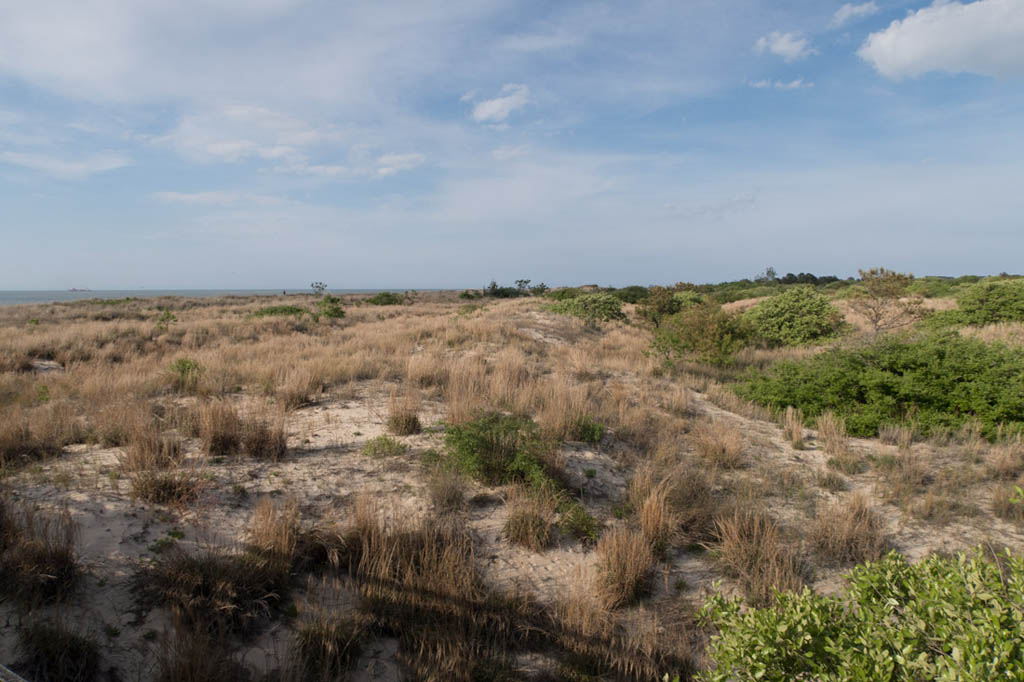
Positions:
(631, 294)
(497, 448)
(797, 316)
(939, 382)
(704, 332)
(384, 446)
(592, 308)
(564, 293)
(280, 310)
(386, 298)
(991, 301)
(946, 618)
(328, 307)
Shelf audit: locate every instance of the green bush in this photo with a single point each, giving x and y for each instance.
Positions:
(586, 430)
(186, 373)
(940, 287)
(330, 307)
(592, 308)
(703, 332)
(659, 304)
(565, 293)
(994, 300)
(498, 448)
(384, 446)
(386, 298)
(798, 315)
(938, 381)
(687, 299)
(631, 294)
(946, 618)
(275, 310)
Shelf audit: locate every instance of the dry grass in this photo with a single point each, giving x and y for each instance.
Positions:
(901, 435)
(148, 449)
(178, 487)
(849, 531)
(793, 427)
(1006, 460)
(195, 655)
(403, 414)
(215, 590)
(39, 561)
(220, 428)
(531, 517)
(326, 641)
(750, 548)
(625, 562)
(658, 522)
(51, 651)
(30, 435)
(832, 434)
(274, 529)
(720, 443)
(447, 490)
(1004, 505)
(903, 476)
(263, 436)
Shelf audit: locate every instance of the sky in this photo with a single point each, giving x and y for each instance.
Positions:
(410, 144)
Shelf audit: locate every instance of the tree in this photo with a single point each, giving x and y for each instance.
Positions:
(318, 288)
(522, 284)
(882, 299)
(659, 304)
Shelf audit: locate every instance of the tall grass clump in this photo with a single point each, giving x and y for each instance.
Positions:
(849, 531)
(39, 561)
(625, 562)
(51, 651)
(750, 548)
(220, 428)
(403, 414)
(531, 517)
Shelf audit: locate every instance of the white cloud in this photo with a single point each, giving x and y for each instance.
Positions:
(216, 198)
(985, 37)
(236, 132)
(850, 12)
(790, 46)
(390, 164)
(512, 97)
(64, 168)
(797, 84)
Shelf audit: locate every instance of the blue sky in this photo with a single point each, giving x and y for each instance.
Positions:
(269, 143)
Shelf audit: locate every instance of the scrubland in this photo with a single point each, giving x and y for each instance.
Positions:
(437, 489)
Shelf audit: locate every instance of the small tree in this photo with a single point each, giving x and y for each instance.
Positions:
(703, 331)
(523, 285)
(882, 298)
(318, 288)
(659, 304)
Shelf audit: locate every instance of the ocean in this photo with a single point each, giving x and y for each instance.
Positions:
(16, 297)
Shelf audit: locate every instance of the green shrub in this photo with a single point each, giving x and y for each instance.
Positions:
(186, 373)
(939, 381)
(797, 316)
(592, 308)
(659, 304)
(386, 298)
(995, 300)
(687, 299)
(586, 430)
(946, 618)
(704, 332)
(384, 446)
(470, 295)
(276, 310)
(498, 448)
(565, 293)
(329, 307)
(631, 294)
(940, 287)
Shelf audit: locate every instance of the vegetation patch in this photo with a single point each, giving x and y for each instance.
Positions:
(384, 446)
(592, 308)
(797, 316)
(279, 311)
(51, 652)
(386, 298)
(946, 618)
(940, 382)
